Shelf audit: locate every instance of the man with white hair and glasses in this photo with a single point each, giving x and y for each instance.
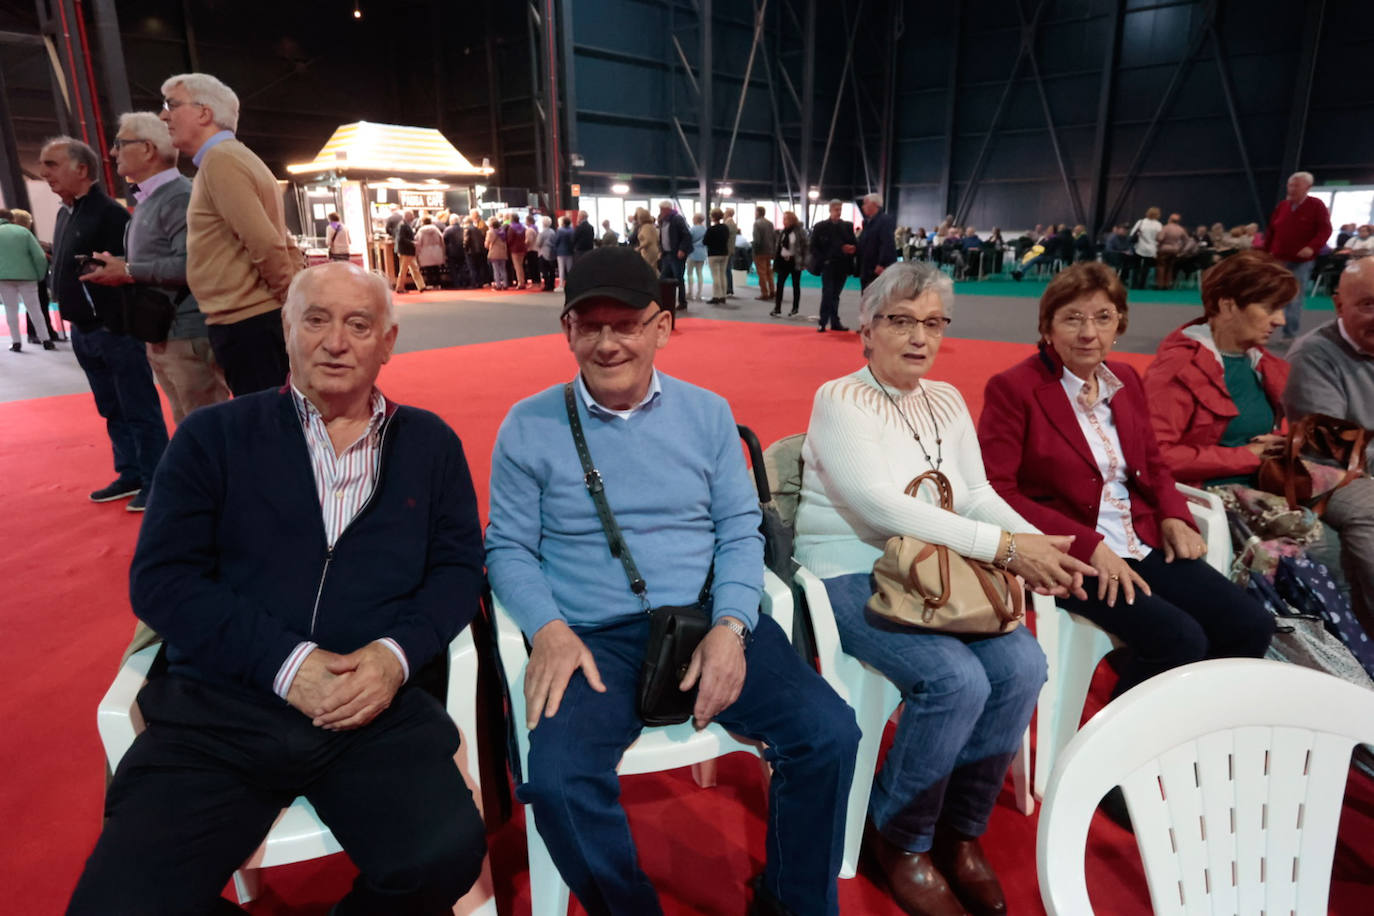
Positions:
(182, 361)
(239, 261)
(1297, 230)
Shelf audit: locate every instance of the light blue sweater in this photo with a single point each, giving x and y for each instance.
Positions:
(676, 480)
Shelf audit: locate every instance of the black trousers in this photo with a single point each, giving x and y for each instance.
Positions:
(782, 269)
(251, 352)
(833, 278)
(1194, 613)
(201, 786)
(549, 268)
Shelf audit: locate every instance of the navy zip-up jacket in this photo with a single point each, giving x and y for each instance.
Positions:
(232, 568)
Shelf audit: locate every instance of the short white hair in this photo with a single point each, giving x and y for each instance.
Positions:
(874, 198)
(144, 125)
(303, 284)
(210, 92)
(1305, 176)
(902, 282)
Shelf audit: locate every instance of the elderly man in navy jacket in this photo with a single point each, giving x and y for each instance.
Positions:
(308, 553)
(877, 243)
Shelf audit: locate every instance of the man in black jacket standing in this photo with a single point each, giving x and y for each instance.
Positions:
(584, 236)
(115, 364)
(833, 246)
(878, 241)
(405, 255)
(677, 244)
(453, 252)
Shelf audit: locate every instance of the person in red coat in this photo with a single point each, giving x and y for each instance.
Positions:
(1295, 234)
(1215, 393)
(1067, 442)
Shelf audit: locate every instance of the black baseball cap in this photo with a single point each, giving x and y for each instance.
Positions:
(615, 272)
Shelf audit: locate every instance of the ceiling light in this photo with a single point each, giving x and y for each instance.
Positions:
(813, 194)
(620, 188)
(725, 190)
(357, 13)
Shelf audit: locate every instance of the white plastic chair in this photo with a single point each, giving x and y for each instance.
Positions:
(874, 699)
(298, 834)
(1234, 772)
(1074, 646)
(657, 749)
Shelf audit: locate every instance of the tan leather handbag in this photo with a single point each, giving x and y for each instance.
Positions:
(931, 587)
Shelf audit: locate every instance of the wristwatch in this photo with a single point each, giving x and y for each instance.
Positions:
(739, 629)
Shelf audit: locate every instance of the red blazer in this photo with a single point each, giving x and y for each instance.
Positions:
(1190, 408)
(1039, 461)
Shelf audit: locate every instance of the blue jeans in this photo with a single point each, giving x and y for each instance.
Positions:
(968, 701)
(573, 788)
(117, 369)
(1292, 312)
(498, 273)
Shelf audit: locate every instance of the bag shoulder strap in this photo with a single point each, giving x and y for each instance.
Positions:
(596, 487)
(591, 477)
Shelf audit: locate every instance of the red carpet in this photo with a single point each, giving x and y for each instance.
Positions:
(67, 620)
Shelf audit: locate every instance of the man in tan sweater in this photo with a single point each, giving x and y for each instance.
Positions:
(238, 260)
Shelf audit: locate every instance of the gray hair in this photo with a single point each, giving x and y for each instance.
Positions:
(79, 153)
(211, 93)
(874, 198)
(144, 125)
(835, 202)
(902, 282)
(298, 294)
(1305, 176)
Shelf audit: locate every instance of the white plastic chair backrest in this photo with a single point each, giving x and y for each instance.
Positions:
(1234, 772)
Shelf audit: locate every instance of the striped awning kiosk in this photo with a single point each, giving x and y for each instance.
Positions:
(364, 150)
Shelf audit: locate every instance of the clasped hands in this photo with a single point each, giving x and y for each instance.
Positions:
(111, 274)
(342, 692)
(717, 669)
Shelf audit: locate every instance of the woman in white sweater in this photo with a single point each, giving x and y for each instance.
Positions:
(968, 700)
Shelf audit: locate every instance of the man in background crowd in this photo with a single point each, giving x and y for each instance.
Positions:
(184, 362)
(406, 263)
(731, 241)
(833, 246)
(677, 245)
(877, 249)
(238, 259)
(1296, 232)
(584, 236)
(608, 235)
(115, 364)
(765, 246)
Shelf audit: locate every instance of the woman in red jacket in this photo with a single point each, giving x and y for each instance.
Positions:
(1067, 442)
(1215, 393)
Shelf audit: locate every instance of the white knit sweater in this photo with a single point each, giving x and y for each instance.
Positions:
(859, 457)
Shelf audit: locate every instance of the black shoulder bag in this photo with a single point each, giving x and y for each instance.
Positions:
(674, 632)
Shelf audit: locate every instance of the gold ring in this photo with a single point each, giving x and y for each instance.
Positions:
(1114, 578)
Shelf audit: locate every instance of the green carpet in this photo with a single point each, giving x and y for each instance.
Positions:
(1004, 285)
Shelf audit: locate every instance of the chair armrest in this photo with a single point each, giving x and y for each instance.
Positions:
(117, 717)
(515, 658)
(461, 697)
(1210, 515)
(777, 601)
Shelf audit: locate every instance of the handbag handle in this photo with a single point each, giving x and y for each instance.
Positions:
(984, 575)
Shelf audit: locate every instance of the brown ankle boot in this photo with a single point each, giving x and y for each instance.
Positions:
(912, 878)
(970, 875)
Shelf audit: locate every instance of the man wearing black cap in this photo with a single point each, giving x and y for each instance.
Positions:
(674, 477)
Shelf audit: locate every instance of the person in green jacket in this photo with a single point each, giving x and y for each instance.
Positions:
(22, 265)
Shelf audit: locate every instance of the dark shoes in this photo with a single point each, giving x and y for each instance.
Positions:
(120, 489)
(776, 313)
(139, 503)
(960, 859)
(838, 327)
(764, 903)
(16, 347)
(912, 878)
(49, 345)
(1016, 275)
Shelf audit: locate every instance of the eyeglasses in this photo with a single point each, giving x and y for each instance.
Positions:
(121, 142)
(174, 104)
(625, 329)
(905, 325)
(1101, 320)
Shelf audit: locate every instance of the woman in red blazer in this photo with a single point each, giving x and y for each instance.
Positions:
(1067, 442)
